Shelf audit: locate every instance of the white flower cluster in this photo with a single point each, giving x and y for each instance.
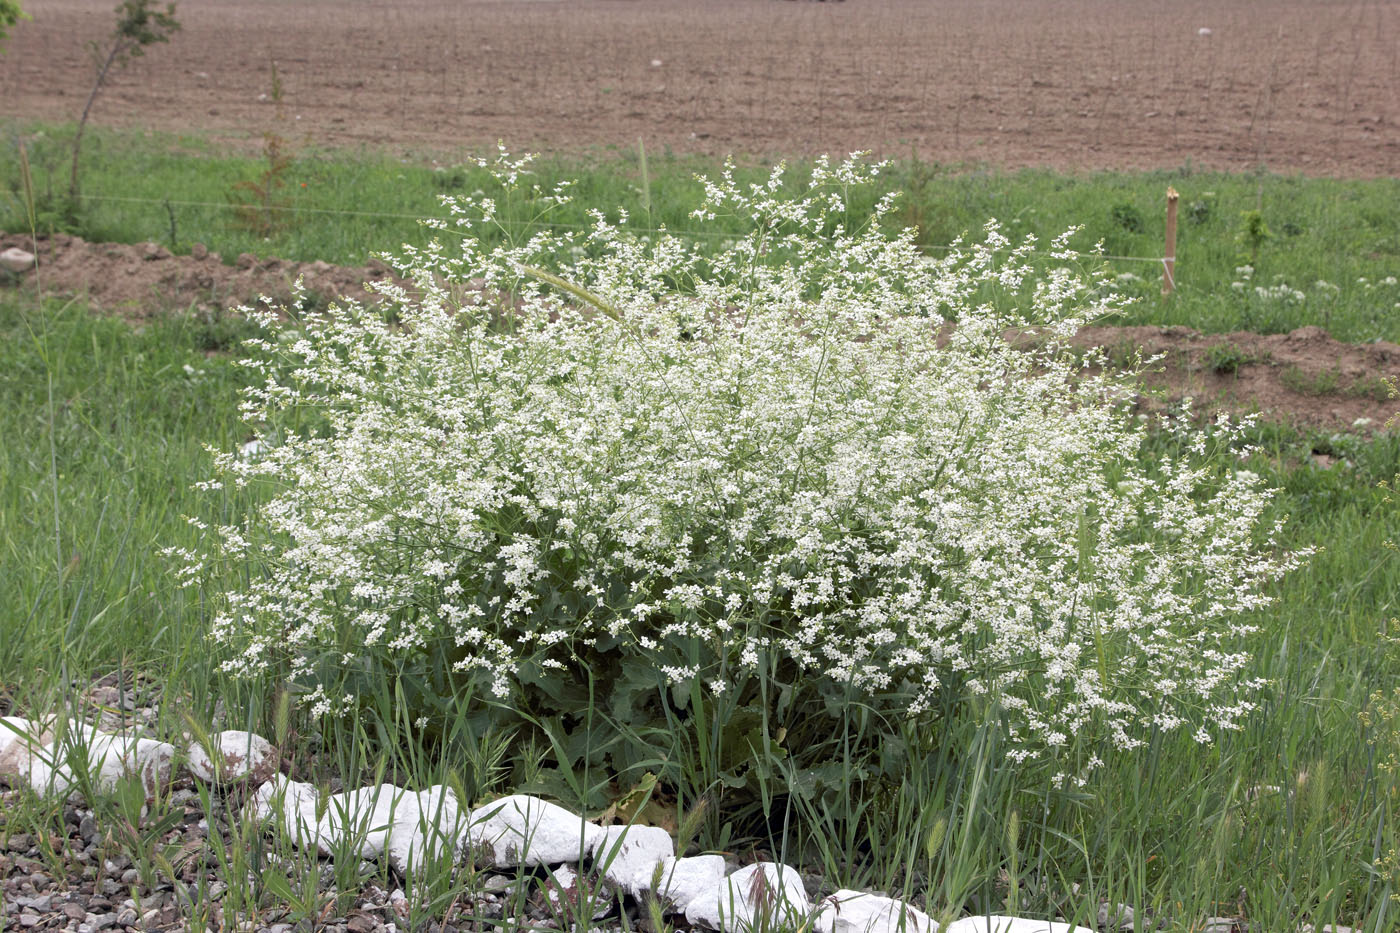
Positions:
(1280, 291)
(810, 444)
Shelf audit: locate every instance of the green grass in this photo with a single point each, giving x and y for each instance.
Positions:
(104, 426)
(113, 449)
(343, 206)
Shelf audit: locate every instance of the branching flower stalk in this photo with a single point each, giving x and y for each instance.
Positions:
(811, 444)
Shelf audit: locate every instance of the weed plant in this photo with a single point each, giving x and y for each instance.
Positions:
(259, 204)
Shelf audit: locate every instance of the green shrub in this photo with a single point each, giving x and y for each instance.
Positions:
(1127, 218)
(1226, 358)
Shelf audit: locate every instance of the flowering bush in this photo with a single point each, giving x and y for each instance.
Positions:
(808, 450)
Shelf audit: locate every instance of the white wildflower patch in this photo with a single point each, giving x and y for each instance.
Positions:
(811, 444)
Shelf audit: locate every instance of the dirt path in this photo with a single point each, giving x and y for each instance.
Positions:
(1298, 85)
(1304, 377)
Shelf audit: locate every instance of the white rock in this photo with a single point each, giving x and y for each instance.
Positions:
(524, 830)
(1120, 917)
(1203, 31)
(240, 756)
(561, 887)
(152, 760)
(997, 924)
(254, 450)
(19, 739)
(368, 822)
(16, 259)
(764, 894)
(856, 912)
(685, 879)
(360, 821)
(108, 758)
(569, 897)
(292, 806)
(629, 855)
(426, 827)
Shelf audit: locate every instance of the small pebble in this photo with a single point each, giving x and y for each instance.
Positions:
(495, 884)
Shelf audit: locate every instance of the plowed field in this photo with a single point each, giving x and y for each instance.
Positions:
(1311, 87)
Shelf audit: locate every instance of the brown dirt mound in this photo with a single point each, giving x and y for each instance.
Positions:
(136, 281)
(1305, 378)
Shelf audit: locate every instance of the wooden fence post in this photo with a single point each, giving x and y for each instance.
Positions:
(1169, 256)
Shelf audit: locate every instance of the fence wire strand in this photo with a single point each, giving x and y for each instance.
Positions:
(557, 225)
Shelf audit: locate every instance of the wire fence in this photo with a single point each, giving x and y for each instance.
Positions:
(388, 215)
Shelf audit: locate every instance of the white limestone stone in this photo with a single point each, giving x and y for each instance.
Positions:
(16, 259)
(764, 894)
(292, 806)
(628, 855)
(19, 739)
(683, 880)
(255, 449)
(368, 822)
(570, 895)
(360, 820)
(524, 830)
(562, 888)
(849, 911)
(233, 757)
(427, 826)
(998, 924)
(109, 759)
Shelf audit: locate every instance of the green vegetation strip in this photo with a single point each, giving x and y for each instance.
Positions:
(1261, 252)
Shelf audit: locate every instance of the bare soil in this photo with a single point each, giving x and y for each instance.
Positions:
(1305, 378)
(143, 279)
(1298, 85)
